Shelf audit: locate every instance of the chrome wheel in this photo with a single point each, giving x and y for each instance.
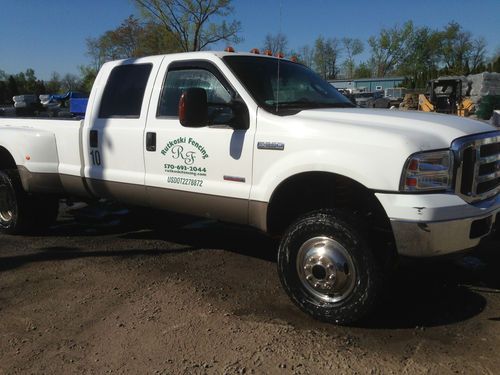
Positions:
(6, 216)
(326, 269)
(7, 200)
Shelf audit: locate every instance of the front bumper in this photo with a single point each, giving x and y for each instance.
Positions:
(431, 227)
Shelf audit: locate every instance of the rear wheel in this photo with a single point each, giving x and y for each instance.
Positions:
(6, 216)
(327, 268)
(22, 213)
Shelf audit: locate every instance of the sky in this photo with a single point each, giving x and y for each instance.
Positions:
(49, 36)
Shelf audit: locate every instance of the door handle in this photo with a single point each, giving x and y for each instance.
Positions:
(150, 141)
(94, 138)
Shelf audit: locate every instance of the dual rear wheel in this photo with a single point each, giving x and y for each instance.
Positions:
(23, 213)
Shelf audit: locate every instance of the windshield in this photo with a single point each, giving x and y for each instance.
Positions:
(299, 87)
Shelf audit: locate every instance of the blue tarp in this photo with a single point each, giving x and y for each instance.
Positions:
(68, 95)
(77, 101)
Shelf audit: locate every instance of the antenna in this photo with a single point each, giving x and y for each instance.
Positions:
(279, 59)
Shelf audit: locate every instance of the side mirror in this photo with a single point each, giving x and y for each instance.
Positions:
(193, 108)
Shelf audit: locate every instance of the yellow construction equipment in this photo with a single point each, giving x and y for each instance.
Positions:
(445, 96)
(410, 101)
(466, 107)
(424, 104)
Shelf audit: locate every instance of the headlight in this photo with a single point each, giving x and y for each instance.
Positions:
(427, 171)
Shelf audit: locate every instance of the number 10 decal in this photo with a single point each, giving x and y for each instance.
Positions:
(96, 157)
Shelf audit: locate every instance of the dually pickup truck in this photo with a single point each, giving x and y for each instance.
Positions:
(265, 142)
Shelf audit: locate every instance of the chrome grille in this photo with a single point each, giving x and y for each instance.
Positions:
(478, 166)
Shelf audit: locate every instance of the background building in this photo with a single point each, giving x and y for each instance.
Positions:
(367, 84)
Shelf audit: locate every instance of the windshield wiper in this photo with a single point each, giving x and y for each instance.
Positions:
(306, 104)
(293, 104)
(338, 105)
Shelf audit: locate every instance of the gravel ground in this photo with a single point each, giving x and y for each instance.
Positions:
(103, 294)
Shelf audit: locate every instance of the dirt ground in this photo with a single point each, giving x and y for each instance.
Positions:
(107, 295)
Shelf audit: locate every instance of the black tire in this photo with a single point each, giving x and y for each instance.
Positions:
(24, 213)
(341, 295)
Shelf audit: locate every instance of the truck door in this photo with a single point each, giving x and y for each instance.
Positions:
(114, 131)
(203, 171)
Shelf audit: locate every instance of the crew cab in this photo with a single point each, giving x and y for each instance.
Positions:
(264, 142)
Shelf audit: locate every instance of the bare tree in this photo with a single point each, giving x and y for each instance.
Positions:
(189, 21)
(326, 54)
(306, 56)
(70, 82)
(54, 85)
(456, 45)
(477, 54)
(276, 43)
(389, 48)
(131, 39)
(352, 48)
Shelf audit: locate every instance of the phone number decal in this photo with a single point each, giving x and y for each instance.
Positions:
(185, 181)
(193, 170)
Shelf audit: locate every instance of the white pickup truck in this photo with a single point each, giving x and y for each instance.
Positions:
(264, 142)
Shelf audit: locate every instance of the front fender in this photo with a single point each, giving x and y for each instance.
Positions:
(351, 165)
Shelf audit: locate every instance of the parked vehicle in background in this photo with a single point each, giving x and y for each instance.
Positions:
(264, 142)
(396, 93)
(366, 99)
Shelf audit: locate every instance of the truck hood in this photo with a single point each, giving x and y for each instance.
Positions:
(418, 130)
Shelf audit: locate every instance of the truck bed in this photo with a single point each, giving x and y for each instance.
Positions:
(27, 133)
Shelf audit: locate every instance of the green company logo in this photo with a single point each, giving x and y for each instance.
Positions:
(186, 152)
(177, 150)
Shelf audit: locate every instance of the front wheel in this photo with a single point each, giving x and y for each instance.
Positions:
(327, 268)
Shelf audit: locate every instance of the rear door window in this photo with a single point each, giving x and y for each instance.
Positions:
(124, 91)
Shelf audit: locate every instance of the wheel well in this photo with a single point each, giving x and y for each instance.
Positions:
(311, 191)
(6, 160)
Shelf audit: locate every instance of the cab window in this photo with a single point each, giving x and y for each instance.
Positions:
(177, 81)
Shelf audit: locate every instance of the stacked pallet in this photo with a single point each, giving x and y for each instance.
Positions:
(24, 101)
(485, 93)
(484, 84)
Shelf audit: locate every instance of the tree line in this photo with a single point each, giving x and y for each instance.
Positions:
(417, 53)
(167, 26)
(27, 83)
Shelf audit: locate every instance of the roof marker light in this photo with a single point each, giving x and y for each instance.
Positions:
(229, 49)
(255, 50)
(268, 52)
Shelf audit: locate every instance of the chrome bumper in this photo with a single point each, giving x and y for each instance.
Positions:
(427, 239)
